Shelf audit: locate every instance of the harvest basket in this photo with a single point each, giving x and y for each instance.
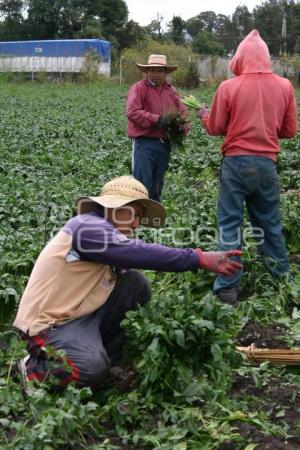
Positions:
(274, 356)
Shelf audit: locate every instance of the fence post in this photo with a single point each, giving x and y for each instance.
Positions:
(121, 69)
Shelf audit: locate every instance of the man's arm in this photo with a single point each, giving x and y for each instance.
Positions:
(216, 120)
(289, 126)
(136, 111)
(98, 241)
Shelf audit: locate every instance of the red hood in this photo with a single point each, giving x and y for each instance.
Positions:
(252, 56)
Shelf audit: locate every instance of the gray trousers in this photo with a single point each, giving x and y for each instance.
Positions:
(90, 344)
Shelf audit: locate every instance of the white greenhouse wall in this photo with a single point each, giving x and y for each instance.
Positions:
(63, 64)
(212, 68)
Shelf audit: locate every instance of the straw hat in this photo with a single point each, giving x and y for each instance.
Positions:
(156, 61)
(121, 191)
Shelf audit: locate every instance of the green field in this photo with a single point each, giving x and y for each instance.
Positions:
(195, 391)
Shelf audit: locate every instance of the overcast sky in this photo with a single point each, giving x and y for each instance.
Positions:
(144, 11)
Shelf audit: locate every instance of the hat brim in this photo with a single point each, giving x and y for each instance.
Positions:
(145, 67)
(154, 213)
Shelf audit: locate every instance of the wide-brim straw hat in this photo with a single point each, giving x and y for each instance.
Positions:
(120, 192)
(156, 61)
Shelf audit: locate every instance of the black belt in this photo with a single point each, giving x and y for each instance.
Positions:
(164, 140)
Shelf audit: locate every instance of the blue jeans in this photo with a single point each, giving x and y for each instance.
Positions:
(251, 180)
(150, 161)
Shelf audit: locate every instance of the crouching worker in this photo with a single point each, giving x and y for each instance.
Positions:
(83, 283)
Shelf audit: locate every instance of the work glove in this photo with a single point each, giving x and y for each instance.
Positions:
(202, 112)
(164, 121)
(219, 262)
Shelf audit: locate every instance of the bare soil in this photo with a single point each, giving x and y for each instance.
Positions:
(264, 336)
(279, 400)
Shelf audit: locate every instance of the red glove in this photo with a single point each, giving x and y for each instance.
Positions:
(219, 262)
(202, 112)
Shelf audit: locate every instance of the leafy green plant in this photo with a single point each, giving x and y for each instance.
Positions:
(59, 142)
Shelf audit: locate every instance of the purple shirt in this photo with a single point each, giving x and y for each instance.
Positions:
(95, 239)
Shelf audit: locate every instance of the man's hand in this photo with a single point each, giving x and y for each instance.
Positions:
(202, 112)
(164, 121)
(219, 262)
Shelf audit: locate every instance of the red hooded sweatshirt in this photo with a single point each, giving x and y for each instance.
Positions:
(254, 109)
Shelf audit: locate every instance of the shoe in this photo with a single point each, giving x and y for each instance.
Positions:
(21, 365)
(228, 295)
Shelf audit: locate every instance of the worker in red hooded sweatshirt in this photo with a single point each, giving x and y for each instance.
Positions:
(252, 111)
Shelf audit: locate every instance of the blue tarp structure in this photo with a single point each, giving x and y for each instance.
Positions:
(59, 47)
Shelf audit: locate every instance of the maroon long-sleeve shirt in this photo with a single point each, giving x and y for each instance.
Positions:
(145, 103)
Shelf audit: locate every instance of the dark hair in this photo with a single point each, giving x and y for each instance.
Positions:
(98, 209)
(92, 207)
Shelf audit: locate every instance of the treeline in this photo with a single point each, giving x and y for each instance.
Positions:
(207, 32)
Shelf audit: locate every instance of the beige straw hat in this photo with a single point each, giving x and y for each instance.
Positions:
(156, 61)
(121, 191)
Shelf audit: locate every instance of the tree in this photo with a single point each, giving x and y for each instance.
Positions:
(52, 19)
(70, 19)
(205, 43)
(90, 28)
(208, 20)
(42, 19)
(293, 27)
(297, 46)
(267, 20)
(112, 14)
(176, 30)
(11, 28)
(193, 26)
(205, 21)
(106, 19)
(155, 28)
(225, 33)
(11, 9)
(242, 22)
(131, 34)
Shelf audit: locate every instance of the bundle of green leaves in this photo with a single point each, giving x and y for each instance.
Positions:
(191, 102)
(176, 130)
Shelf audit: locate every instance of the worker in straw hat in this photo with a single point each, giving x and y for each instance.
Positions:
(151, 105)
(83, 283)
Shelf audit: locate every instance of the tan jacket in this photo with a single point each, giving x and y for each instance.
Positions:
(59, 291)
